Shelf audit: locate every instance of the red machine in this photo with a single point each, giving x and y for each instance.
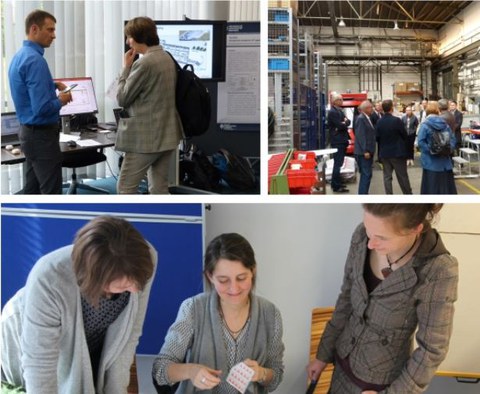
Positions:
(350, 102)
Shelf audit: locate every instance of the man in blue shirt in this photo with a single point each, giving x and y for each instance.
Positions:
(38, 106)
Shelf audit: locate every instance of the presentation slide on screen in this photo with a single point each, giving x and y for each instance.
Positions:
(189, 44)
(83, 97)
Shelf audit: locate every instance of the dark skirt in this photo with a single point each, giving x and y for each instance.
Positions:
(438, 182)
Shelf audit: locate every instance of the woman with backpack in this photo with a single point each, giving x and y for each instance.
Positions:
(436, 142)
(150, 128)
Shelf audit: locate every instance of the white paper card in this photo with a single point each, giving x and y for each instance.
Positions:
(88, 143)
(240, 376)
(68, 137)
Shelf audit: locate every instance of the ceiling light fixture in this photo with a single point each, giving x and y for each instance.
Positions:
(396, 26)
(341, 23)
(378, 9)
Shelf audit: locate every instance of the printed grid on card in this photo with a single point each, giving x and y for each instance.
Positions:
(240, 376)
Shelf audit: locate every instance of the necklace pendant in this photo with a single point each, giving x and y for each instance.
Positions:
(386, 272)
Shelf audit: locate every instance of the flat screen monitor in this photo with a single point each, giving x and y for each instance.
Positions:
(10, 124)
(83, 95)
(197, 42)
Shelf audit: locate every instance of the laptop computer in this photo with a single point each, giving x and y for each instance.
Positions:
(111, 125)
(10, 129)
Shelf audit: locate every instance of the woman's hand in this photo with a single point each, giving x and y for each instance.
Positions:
(260, 372)
(129, 56)
(369, 392)
(204, 378)
(315, 369)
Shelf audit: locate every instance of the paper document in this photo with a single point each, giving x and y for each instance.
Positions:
(68, 137)
(88, 143)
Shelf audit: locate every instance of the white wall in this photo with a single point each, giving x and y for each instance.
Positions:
(300, 251)
(340, 80)
(300, 258)
(461, 31)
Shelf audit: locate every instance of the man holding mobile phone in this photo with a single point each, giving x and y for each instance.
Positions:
(38, 106)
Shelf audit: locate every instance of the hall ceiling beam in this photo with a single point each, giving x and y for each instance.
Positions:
(377, 20)
(405, 11)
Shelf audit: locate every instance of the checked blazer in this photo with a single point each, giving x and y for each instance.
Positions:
(375, 331)
(147, 92)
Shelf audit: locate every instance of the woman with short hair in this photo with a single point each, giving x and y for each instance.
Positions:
(75, 325)
(150, 128)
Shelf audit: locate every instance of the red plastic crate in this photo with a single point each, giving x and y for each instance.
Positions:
(301, 178)
(306, 154)
(306, 164)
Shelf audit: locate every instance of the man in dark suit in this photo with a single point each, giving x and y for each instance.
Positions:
(364, 145)
(337, 124)
(391, 138)
(410, 122)
(377, 113)
(423, 112)
(458, 115)
(446, 114)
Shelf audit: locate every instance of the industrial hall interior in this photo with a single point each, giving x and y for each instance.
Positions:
(374, 97)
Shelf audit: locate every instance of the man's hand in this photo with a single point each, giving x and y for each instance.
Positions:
(367, 155)
(60, 86)
(65, 98)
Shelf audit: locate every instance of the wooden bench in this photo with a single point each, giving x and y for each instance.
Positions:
(320, 318)
(133, 385)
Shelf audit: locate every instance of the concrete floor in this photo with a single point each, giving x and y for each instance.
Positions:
(464, 185)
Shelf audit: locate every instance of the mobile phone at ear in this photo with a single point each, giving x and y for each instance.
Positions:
(69, 88)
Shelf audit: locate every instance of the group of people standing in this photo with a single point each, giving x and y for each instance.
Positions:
(149, 130)
(380, 130)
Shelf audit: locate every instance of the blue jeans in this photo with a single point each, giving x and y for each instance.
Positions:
(365, 169)
(338, 159)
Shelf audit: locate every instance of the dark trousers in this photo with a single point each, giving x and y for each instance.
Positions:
(400, 168)
(43, 166)
(338, 159)
(411, 146)
(365, 169)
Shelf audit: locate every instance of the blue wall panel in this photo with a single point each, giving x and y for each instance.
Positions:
(157, 209)
(179, 246)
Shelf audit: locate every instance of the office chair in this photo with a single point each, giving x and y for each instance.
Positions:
(82, 159)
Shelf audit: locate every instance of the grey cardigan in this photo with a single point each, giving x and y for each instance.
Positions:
(376, 330)
(147, 91)
(196, 337)
(43, 326)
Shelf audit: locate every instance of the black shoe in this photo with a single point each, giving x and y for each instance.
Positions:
(341, 190)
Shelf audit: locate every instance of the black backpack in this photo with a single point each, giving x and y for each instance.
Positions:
(197, 171)
(440, 143)
(234, 169)
(192, 100)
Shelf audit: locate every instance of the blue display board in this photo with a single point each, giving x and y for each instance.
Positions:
(175, 230)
